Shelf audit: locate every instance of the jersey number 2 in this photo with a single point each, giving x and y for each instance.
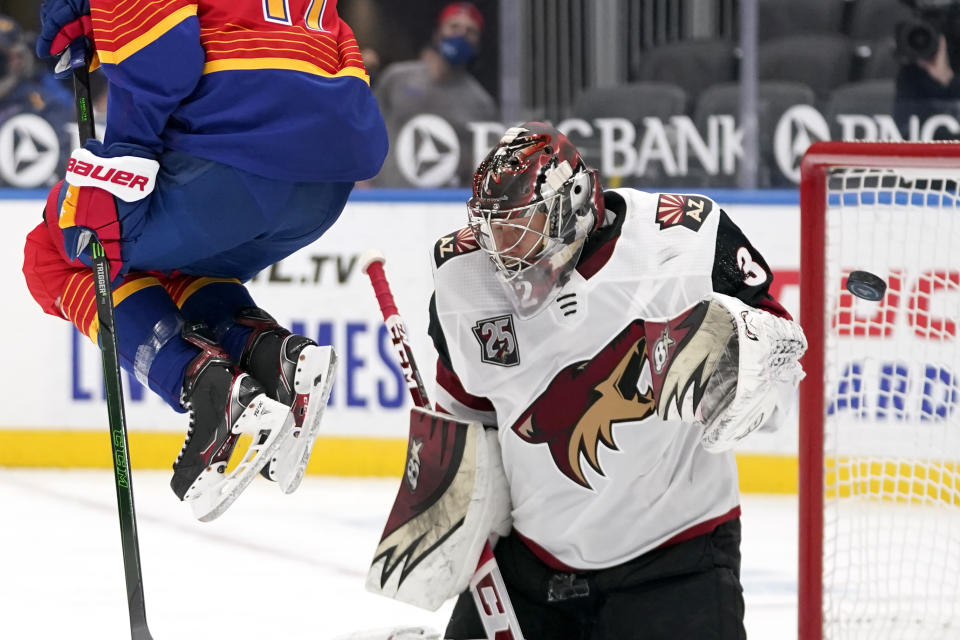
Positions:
(278, 11)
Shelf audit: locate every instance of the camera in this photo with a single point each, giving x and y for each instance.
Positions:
(918, 38)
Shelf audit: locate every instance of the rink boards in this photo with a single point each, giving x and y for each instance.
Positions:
(56, 415)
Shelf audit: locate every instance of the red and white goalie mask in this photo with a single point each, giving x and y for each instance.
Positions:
(534, 202)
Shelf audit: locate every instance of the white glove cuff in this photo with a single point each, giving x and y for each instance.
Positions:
(129, 178)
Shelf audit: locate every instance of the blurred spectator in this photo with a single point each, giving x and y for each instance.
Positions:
(36, 152)
(927, 82)
(371, 60)
(427, 153)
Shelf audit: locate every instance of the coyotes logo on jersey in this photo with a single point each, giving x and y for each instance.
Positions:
(586, 399)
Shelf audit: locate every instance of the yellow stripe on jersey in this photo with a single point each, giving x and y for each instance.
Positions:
(68, 210)
(120, 294)
(127, 289)
(135, 45)
(93, 329)
(198, 284)
(249, 64)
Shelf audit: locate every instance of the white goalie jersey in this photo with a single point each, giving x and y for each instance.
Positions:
(596, 477)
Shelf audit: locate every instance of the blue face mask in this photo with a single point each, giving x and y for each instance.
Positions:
(458, 51)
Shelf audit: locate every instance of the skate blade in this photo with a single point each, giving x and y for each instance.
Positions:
(394, 633)
(213, 491)
(316, 379)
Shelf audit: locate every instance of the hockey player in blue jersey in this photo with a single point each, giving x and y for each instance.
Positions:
(235, 133)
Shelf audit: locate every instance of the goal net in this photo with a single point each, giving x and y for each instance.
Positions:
(879, 421)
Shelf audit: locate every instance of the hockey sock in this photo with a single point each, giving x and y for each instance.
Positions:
(148, 337)
(214, 301)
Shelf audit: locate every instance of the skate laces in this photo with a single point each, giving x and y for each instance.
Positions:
(188, 405)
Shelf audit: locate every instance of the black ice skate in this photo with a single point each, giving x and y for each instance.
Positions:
(296, 372)
(224, 404)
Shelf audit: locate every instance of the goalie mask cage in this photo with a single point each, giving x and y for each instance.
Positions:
(879, 416)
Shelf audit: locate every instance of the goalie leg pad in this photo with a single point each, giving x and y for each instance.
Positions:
(453, 495)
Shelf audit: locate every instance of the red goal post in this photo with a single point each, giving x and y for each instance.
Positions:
(879, 446)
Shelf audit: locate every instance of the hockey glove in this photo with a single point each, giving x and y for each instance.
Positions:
(757, 375)
(724, 365)
(63, 21)
(95, 179)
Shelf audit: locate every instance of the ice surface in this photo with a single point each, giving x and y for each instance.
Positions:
(273, 566)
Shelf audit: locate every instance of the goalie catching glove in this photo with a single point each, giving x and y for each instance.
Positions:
(724, 365)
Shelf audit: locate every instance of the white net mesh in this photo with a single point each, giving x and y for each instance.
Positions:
(891, 546)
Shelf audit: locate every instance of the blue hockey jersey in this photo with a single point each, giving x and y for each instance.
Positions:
(275, 87)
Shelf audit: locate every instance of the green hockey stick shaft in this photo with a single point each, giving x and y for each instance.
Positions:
(111, 376)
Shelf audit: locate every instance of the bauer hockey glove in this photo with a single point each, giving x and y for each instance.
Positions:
(63, 21)
(88, 206)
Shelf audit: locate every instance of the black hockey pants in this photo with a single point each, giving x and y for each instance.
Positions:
(690, 591)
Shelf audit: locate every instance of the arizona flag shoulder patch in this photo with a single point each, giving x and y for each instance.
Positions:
(682, 210)
(454, 244)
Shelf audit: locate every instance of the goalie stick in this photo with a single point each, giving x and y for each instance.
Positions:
(486, 586)
(76, 58)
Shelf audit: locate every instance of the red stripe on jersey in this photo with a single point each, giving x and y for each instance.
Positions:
(291, 46)
(116, 23)
(773, 306)
(85, 317)
(179, 286)
(77, 296)
(452, 385)
(241, 32)
(543, 555)
(702, 528)
(598, 258)
(176, 285)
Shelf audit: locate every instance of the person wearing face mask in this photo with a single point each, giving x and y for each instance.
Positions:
(438, 83)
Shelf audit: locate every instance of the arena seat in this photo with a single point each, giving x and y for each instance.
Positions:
(868, 98)
(773, 99)
(633, 101)
(691, 64)
(822, 62)
(780, 18)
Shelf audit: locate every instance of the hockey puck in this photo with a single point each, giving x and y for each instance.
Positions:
(864, 284)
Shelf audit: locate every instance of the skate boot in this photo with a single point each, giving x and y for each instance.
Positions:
(223, 404)
(296, 372)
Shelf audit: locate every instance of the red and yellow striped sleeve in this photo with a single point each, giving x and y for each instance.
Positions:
(235, 45)
(181, 287)
(121, 28)
(79, 301)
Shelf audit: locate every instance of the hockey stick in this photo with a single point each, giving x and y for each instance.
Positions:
(76, 59)
(486, 586)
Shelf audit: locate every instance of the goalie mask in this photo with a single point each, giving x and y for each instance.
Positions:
(534, 202)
